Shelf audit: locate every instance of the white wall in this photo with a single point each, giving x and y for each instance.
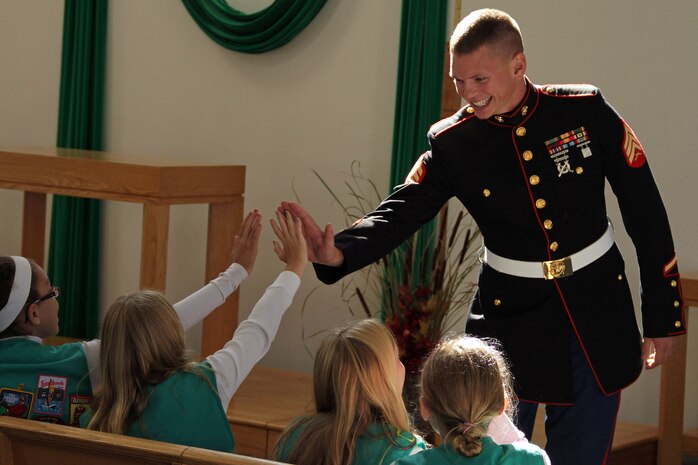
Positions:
(321, 101)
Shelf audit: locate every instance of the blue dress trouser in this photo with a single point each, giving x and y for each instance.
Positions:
(579, 434)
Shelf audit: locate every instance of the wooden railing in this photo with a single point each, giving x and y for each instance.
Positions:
(29, 442)
(157, 184)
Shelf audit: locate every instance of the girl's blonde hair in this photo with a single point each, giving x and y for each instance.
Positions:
(355, 383)
(465, 385)
(142, 344)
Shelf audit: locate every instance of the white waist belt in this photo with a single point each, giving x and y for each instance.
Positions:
(552, 269)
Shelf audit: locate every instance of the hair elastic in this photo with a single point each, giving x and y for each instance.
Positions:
(18, 295)
(468, 425)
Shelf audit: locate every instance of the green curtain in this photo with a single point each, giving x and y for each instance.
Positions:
(74, 241)
(419, 87)
(259, 32)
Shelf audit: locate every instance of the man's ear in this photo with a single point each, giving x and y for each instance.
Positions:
(423, 409)
(519, 64)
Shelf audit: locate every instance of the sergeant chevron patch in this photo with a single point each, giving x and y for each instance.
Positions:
(670, 265)
(417, 172)
(632, 149)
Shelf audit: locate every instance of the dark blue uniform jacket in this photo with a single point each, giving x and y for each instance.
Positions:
(534, 181)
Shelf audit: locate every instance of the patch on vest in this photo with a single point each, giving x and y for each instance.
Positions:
(78, 406)
(419, 170)
(15, 402)
(632, 148)
(559, 148)
(50, 395)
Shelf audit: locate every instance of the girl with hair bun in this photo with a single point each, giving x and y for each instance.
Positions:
(465, 386)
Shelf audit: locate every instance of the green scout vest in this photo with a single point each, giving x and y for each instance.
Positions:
(380, 444)
(521, 453)
(45, 383)
(184, 409)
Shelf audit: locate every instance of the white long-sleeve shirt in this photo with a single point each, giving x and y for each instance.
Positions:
(253, 336)
(191, 310)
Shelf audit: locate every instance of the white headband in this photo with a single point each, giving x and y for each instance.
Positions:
(19, 293)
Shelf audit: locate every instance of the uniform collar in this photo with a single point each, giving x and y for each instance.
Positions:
(519, 114)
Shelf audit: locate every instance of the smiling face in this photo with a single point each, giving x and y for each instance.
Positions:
(489, 79)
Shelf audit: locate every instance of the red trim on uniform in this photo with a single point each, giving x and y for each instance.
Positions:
(561, 404)
(530, 193)
(545, 234)
(542, 88)
(581, 344)
(525, 175)
(609, 446)
(454, 125)
(511, 114)
(523, 101)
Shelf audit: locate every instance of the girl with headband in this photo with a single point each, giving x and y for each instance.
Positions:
(55, 383)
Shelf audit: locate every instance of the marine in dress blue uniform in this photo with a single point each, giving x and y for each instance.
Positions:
(538, 200)
(533, 180)
(530, 164)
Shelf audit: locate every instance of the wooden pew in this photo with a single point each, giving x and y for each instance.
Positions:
(28, 442)
(264, 405)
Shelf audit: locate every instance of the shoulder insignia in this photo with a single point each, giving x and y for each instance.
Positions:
(632, 149)
(418, 171)
(569, 90)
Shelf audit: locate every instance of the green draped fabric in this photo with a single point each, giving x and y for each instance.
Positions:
(259, 32)
(419, 87)
(74, 242)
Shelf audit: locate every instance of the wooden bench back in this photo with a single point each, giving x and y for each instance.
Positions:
(29, 442)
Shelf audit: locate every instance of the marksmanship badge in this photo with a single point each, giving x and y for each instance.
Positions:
(559, 147)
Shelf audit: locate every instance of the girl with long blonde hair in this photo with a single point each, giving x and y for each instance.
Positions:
(54, 383)
(151, 388)
(466, 385)
(360, 415)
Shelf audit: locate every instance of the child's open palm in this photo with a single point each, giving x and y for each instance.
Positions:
(291, 247)
(246, 241)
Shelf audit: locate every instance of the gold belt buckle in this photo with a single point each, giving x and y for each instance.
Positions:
(553, 269)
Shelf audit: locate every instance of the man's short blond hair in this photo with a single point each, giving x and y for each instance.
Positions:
(489, 27)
